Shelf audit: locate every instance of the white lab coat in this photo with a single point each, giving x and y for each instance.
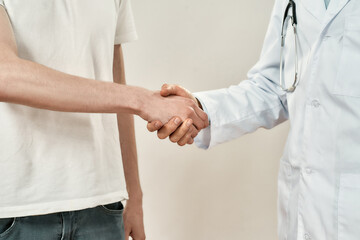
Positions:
(319, 176)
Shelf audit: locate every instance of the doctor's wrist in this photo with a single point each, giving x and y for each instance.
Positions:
(199, 103)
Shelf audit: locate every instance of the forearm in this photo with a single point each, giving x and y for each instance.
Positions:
(241, 109)
(28, 83)
(129, 156)
(127, 134)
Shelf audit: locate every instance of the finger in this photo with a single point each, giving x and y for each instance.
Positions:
(181, 131)
(127, 229)
(169, 128)
(138, 237)
(191, 141)
(154, 126)
(184, 140)
(195, 132)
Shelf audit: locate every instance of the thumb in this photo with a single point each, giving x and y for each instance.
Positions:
(154, 126)
(172, 89)
(166, 90)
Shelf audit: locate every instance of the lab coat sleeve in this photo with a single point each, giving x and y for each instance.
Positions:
(254, 103)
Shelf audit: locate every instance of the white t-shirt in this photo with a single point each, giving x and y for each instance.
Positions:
(54, 161)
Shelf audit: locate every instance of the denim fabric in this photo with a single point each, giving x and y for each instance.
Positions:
(99, 223)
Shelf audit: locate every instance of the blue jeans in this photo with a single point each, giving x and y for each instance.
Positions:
(99, 223)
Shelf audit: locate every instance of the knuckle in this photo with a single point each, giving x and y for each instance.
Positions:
(200, 125)
(186, 130)
(172, 125)
(190, 102)
(189, 111)
(188, 136)
(206, 118)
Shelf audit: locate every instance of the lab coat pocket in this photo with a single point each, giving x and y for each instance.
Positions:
(348, 77)
(349, 207)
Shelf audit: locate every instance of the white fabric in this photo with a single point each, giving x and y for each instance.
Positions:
(54, 161)
(319, 178)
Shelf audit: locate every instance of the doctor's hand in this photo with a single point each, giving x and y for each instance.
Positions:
(179, 132)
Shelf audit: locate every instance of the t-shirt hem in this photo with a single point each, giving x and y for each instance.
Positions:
(124, 38)
(62, 206)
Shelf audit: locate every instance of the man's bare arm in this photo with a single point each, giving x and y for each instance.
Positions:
(28, 83)
(133, 214)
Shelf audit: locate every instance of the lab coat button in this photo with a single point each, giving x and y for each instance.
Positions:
(307, 236)
(315, 103)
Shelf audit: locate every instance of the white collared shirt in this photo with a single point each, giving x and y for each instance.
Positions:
(319, 178)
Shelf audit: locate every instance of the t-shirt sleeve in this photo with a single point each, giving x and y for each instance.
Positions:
(125, 28)
(2, 3)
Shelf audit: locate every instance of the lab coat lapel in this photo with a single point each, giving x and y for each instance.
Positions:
(315, 7)
(335, 7)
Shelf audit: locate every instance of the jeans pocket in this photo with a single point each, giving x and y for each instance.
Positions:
(349, 207)
(116, 208)
(6, 226)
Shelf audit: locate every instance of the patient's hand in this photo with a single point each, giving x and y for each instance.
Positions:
(179, 132)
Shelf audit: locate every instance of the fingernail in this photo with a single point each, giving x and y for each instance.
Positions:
(177, 121)
(188, 123)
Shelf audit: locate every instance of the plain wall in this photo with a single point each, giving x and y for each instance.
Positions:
(230, 191)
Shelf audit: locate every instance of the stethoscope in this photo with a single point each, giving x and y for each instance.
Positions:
(291, 6)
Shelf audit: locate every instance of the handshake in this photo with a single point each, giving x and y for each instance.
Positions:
(175, 113)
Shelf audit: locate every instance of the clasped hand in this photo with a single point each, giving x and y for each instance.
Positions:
(183, 128)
